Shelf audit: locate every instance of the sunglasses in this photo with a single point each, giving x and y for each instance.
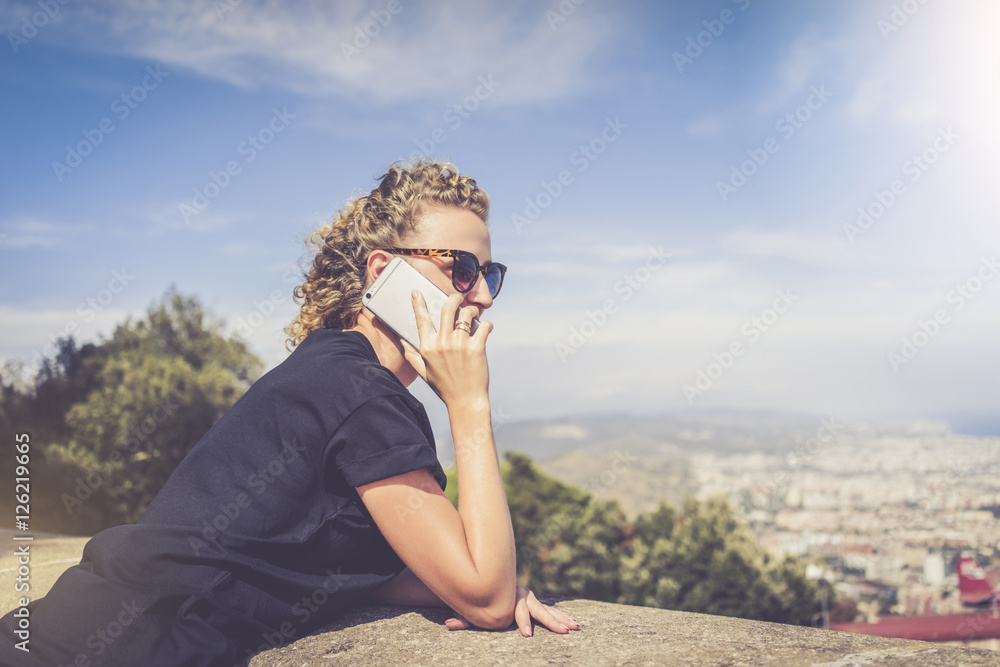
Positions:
(464, 270)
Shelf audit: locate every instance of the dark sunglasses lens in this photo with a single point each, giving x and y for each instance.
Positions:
(464, 272)
(494, 278)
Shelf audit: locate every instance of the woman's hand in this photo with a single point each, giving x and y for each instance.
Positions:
(450, 360)
(527, 608)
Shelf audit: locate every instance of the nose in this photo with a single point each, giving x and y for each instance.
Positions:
(479, 295)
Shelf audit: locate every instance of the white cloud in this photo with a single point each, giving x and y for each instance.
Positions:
(709, 126)
(170, 216)
(425, 50)
(794, 73)
(29, 334)
(563, 432)
(796, 246)
(29, 232)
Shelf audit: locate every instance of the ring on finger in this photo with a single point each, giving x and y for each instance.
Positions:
(464, 326)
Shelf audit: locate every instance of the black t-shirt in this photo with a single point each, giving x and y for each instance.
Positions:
(259, 536)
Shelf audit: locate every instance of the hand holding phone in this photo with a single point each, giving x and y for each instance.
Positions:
(389, 299)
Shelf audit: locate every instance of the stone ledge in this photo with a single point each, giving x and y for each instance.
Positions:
(610, 634)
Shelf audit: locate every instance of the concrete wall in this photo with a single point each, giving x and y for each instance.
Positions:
(610, 635)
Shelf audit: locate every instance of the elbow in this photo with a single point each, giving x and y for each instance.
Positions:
(494, 612)
(492, 618)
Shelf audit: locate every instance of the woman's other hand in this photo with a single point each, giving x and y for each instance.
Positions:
(526, 609)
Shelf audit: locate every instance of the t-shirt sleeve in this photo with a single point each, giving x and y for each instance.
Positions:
(382, 438)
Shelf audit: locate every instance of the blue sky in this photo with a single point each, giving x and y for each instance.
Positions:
(675, 186)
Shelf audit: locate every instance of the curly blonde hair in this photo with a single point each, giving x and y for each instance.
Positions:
(330, 297)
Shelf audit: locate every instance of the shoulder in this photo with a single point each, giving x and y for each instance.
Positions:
(334, 362)
(331, 377)
(333, 345)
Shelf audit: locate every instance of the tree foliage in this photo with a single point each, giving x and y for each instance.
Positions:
(700, 558)
(568, 542)
(710, 563)
(110, 422)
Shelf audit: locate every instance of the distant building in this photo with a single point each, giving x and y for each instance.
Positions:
(934, 571)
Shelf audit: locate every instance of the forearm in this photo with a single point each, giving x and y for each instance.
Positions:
(406, 589)
(482, 504)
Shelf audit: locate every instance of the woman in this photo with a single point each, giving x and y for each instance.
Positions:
(320, 488)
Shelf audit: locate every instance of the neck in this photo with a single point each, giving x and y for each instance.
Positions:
(387, 346)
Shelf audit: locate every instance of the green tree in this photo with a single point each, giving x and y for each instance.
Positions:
(567, 542)
(654, 525)
(710, 563)
(37, 406)
(700, 559)
(112, 421)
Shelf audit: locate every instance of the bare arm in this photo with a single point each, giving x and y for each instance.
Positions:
(462, 558)
(465, 556)
(407, 589)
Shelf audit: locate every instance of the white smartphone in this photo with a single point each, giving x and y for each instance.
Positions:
(389, 299)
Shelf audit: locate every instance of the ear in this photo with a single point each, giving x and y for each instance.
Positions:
(377, 261)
